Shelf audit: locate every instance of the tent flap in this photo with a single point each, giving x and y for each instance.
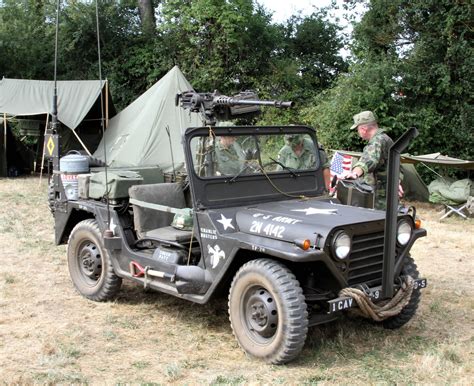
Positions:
(33, 97)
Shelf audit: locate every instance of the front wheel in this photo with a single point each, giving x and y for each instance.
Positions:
(407, 312)
(89, 263)
(267, 311)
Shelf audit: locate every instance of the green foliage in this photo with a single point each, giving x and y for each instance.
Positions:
(414, 68)
(413, 61)
(365, 88)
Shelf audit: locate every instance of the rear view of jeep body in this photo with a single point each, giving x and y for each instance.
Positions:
(242, 220)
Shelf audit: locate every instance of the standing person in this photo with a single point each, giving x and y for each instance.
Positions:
(373, 164)
(298, 153)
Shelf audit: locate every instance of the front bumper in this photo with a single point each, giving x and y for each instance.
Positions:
(374, 293)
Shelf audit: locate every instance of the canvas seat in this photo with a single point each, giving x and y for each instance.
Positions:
(155, 223)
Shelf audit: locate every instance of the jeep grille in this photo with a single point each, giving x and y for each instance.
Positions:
(366, 259)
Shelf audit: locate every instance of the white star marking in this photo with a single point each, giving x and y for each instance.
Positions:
(226, 222)
(316, 211)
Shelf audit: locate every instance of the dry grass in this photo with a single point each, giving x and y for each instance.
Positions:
(50, 334)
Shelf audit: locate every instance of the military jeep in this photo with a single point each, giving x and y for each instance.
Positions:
(268, 235)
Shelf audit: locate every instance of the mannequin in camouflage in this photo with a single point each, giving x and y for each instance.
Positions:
(298, 153)
(229, 156)
(372, 165)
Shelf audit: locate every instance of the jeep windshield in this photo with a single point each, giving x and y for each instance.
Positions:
(234, 154)
(244, 164)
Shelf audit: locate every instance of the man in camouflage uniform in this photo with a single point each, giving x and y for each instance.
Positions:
(298, 153)
(372, 165)
(229, 156)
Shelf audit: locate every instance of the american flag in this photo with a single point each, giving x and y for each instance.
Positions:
(340, 165)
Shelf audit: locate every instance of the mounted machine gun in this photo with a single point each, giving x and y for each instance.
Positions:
(216, 107)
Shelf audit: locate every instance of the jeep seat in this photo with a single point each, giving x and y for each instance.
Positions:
(156, 224)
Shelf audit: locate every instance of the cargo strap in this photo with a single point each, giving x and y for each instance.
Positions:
(161, 208)
(382, 310)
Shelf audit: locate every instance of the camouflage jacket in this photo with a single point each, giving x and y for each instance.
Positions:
(305, 160)
(323, 157)
(229, 160)
(374, 160)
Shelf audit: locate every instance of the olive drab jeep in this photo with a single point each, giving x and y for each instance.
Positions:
(288, 255)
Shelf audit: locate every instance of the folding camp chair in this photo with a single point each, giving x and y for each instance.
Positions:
(468, 207)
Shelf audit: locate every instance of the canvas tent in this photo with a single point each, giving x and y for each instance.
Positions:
(78, 109)
(438, 159)
(137, 136)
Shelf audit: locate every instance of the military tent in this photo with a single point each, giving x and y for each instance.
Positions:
(138, 135)
(78, 110)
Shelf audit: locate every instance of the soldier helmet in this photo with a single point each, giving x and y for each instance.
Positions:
(183, 221)
(293, 139)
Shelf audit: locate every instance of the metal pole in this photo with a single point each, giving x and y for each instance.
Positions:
(82, 143)
(392, 209)
(5, 141)
(106, 103)
(44, 145)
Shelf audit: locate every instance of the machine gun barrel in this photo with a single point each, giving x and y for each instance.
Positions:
(216, 107)
(230, 101)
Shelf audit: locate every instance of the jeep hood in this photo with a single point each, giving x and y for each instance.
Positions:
(302, 219)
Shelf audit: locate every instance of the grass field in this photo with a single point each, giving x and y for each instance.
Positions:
(50, 334)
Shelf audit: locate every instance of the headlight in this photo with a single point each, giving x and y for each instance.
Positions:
(341, 245)
(403, 232)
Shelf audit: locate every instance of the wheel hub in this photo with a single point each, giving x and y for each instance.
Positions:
(261, 313)
(90, 261)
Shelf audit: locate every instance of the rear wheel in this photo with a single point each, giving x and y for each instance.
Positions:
(407, 312)
(89, 263)
(267, 311)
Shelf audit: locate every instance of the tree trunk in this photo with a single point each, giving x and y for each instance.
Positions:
(147, 16)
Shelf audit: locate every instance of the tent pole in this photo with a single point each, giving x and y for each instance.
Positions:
(82, 143)
(42, 157)
(5, 141)
(106, 103)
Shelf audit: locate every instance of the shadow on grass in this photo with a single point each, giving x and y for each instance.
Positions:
(212, 314)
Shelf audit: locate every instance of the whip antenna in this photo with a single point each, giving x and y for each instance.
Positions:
(102, 116)
(54, 113)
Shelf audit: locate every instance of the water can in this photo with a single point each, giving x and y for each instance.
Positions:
(70, 166)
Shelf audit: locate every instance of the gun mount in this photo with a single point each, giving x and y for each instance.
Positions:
(216, 107)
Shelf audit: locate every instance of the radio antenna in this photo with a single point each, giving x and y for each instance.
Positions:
(54, 113)
(102, 117)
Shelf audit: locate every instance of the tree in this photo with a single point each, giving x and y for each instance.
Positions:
(147, 16)
(423, 51)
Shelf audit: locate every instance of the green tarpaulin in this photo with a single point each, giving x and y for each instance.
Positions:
(137, 136)
(33, 97)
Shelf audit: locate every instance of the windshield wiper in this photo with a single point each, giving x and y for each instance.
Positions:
(245, 168)
(284, 167)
